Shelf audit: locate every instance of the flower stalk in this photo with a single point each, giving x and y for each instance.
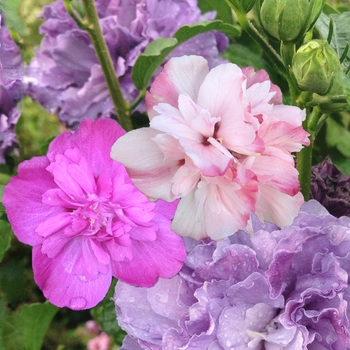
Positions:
(92, 26)
(313, 123)
(250, 29)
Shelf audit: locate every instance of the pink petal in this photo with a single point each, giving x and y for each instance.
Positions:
(189, 217)
(185, 179)
(64, 288)
(161, 258)
(290, 114)
(145, 163)
(221, 92)
(96, 149)
(277, 207)
(277, 173)
(259, 77)
(137, 150)
(284, 135)
(54, 224)
(181, 75)
(211, 160)
(171, 121)
(215, 209)
(197, 117)
(59, 170)
(25, 191)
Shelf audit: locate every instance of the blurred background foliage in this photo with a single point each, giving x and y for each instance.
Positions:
(35, 130)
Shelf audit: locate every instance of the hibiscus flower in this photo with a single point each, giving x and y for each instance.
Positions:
(221, 140)
(86, 220)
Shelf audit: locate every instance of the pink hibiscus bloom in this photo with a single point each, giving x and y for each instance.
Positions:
(86, 220)
(221, 140)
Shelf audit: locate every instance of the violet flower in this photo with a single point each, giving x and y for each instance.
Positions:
(11, 91)
(86, 220)
(279, 289)
(65, 76)
(331, 188)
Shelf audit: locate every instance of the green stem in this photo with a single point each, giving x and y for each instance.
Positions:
(287, 52)
(304, 157)
(122, 107)
(249, 28)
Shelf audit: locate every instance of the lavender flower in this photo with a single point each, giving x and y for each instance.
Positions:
(279, 289)
(11, 90)
(331, 188)
(65, 76)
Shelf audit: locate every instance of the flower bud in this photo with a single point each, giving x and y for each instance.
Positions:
(288, 20)
(314, 66)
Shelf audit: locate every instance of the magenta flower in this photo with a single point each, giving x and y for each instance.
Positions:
(87, 222)
(221, 140)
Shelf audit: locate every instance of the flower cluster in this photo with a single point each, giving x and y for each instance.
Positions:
(87, 222)
(331, 188)
(221, 140)
(279, 289)
(65, 76)
(11, 90)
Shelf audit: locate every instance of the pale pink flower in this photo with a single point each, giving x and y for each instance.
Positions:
(86, 220)
(101, 342)
(221, 140)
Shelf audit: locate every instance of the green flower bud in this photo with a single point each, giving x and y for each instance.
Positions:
(289, 20)
(314, 66)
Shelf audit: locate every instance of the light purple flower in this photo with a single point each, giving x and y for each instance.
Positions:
(87, 222)
(278, 289)
(65, 76)
(11, 91)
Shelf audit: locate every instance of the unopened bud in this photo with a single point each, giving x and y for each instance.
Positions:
(289, 20)
(314, 66)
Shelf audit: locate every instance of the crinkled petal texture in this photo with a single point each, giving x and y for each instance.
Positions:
(221, 141)
(86, 220)
(11, 91)
(65, 76)
(278, 289)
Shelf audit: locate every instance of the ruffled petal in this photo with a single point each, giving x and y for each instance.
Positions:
(278, 207)
(145, 162)
(96, 149)
(160, 258)
(25, 192)
(64, 288)
(181, 75)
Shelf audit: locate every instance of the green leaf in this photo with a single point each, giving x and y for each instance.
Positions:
(12, 19)
(2, 208)
(186, 32)
(150, 60)
(5, 237)
(338, 136)
(104, 315)
(158, 50)
(341, 33)
(27, 326)
(243, 56)
(3, 317)
(221, 8)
